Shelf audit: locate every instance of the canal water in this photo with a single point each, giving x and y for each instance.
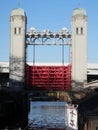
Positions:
(43, 115)
(47, 115)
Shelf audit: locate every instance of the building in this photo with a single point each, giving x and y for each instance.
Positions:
(79, 45)
(18, 22)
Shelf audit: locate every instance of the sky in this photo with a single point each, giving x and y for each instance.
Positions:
(52, 15)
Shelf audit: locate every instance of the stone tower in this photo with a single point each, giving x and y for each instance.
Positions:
(79, 46)
(17, 48)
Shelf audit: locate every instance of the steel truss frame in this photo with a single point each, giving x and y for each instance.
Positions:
(41, 38)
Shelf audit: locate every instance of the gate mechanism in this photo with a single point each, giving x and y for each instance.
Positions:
(50, 77)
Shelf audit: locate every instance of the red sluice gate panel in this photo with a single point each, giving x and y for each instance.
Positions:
(48, 77)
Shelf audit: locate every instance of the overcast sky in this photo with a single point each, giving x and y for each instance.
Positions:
(52, 15)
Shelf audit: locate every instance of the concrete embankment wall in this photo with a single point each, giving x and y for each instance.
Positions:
(13, 109)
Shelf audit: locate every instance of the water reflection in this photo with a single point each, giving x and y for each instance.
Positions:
(47, 115)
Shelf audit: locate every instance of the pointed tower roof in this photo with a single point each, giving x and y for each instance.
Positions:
(79, 12)
(18, 11)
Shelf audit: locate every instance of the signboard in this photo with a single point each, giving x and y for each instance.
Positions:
(72, 117)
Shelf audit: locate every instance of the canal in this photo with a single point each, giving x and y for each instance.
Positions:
(47, 115)
(42, 115)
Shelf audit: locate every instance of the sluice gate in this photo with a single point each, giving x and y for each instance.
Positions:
(48, 77)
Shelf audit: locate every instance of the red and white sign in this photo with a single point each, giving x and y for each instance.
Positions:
(72, 117)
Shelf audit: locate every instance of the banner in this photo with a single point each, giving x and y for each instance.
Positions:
(72, 117)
